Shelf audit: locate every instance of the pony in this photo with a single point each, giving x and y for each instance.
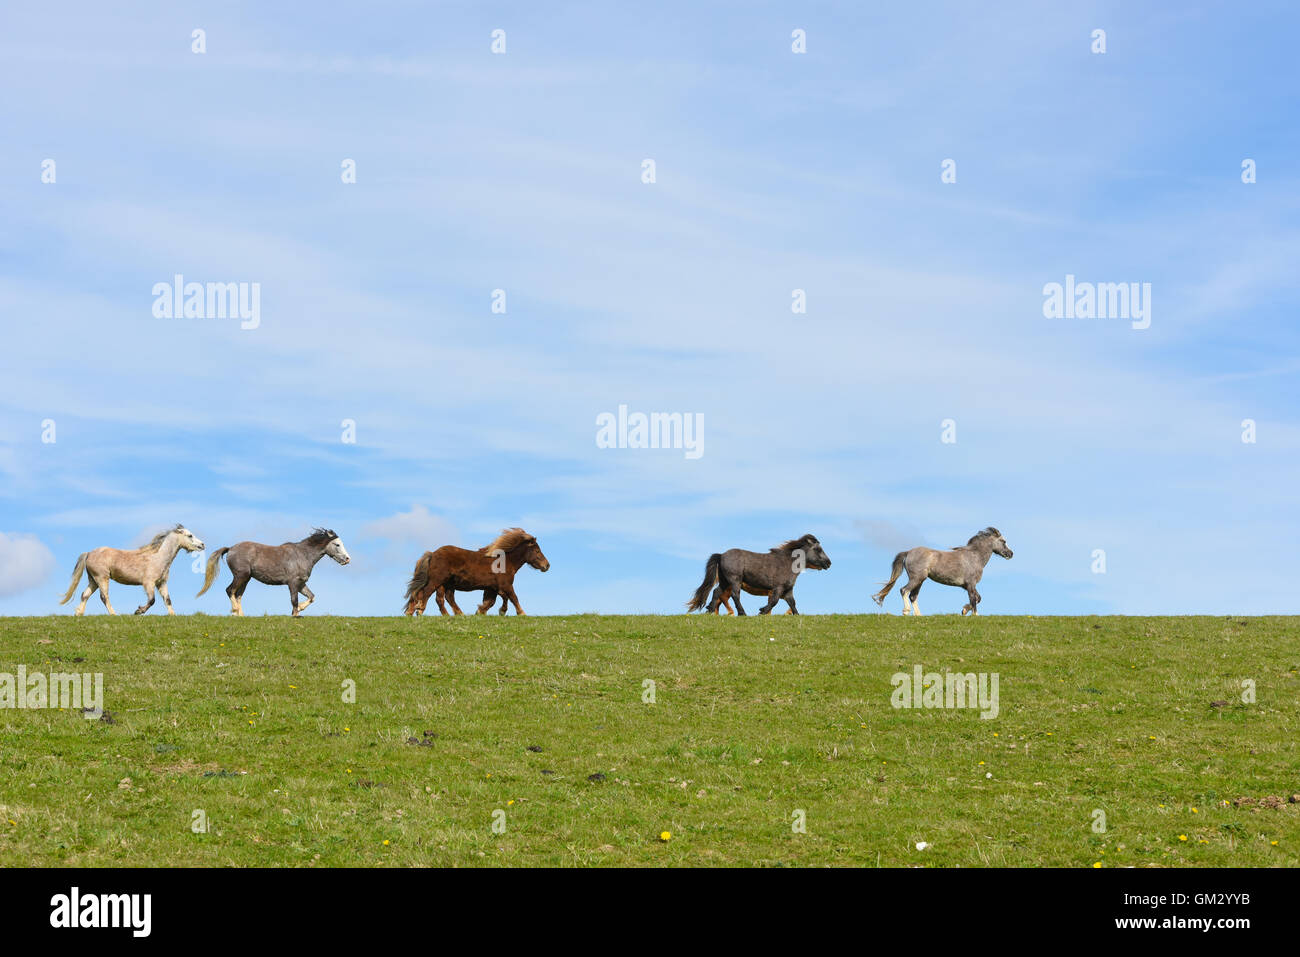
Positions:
(288, 564)
(962, 566)
(772, 574)
(148, 566)
(492, 568)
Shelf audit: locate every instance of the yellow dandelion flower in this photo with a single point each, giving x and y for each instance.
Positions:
(1096, 864)
(385, 843)
(665, 836)
(1182, 837)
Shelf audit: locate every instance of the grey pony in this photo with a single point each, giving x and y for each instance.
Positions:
(772, 573)
(288, 564)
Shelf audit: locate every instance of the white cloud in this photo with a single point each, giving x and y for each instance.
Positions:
(418, 525)
(25, 562)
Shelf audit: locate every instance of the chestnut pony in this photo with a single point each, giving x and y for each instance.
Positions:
(492, 568)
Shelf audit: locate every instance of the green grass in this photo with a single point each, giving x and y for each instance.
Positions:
(754, 719)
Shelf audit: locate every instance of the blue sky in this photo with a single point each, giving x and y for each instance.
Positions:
(775, 171)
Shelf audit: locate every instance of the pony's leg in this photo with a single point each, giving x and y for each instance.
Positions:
(489, 599)
(721, 599)
(293, 600)
(509, 593)
(167, 599)
(148, 592)
(773, 597)
(91, 588)
(910, 591)
(791, 607)
(310, 597)
(916, 609)
(451, 599)
(103, 594)
(733, 586)
(235, 591)
(440, 595)
(719, 595)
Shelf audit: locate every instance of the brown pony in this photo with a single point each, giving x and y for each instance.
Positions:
(492, 568)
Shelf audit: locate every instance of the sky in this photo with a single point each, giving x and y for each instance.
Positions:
(922, 172)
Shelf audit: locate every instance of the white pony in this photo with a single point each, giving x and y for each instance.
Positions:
(148, 566)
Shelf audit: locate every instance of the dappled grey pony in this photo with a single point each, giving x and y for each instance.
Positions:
(962, 566)
(772, 573)
(288, 564)
(148, 566)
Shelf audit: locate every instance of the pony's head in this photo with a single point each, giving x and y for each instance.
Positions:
(518, 542)
(814, 556)
(533, 555)
(995, 541)
(184, 538)
(332, 543)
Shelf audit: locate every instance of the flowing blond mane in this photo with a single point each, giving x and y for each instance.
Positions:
(508, 540)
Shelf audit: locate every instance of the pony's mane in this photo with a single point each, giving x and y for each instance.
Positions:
(508, 540)
(156, 544)
(989, 532)
(320, 536)
(794, 543)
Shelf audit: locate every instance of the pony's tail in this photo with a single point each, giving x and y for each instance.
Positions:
(418, 581)
(211, 572)
(710, 577)
(879, 597)
(76, 577)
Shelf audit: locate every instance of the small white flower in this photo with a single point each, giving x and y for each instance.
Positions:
(988, 774)
(921, 845)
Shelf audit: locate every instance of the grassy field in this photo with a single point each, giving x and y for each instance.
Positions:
(460, 723)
